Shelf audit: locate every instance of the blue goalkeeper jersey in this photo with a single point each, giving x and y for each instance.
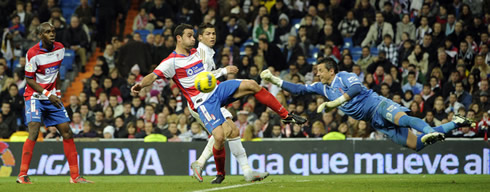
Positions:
(360, 107)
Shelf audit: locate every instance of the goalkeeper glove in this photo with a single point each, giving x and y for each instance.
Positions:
(267, 75)
(329, 105)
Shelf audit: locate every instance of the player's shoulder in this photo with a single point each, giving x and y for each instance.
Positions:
(345, 73)
(58, 45)
(33, 51)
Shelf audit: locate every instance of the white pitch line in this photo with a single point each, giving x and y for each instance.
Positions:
(230, 187)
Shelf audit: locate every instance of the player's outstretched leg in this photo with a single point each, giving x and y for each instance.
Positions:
(198, 165)
(238, 151)
(248, 87)
(457, 122)
(71, 153)
(429, 135)
(27, 150)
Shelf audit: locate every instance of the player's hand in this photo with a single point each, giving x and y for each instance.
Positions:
(327, 106)
(267, 75)
(55, 101)
(231, 69)
(136, 88)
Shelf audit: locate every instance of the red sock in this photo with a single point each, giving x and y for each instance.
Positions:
(219, 160)
(72, 156)
(266, 98)
(26, 156)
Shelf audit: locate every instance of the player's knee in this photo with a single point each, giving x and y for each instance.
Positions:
(219, 138)
(252, 85)
(67, 135)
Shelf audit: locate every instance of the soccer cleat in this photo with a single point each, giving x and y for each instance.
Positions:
(23, 179)
(293, 118)
(80, 179)
(196, 171)
(218, 180)
(256, 176)
(431, 138)
(462, 121)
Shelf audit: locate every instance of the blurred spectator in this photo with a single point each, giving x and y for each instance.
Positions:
(8, 117)
(272, 54)
(377, 30)
(412, 84)
(131, 130)
(364, 9)
(419, 59)
(5, 130)
(317, 130)
(25, 17)
(264, 30)
(329, 34)
(99, 123)
(76, 39)
(142, 21)
(292, 50)
(85, 11)
(361, 32)
(405, 26)
(348, 25)
(390, 49)
(73, 107)
(109, 132)
(172, 133)
(241, 121)
(196, 133)
(45, 10)
(148, 129)
(52, 133)
(160, 12)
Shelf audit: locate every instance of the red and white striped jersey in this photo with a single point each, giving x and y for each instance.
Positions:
(183, 70)
(43, 66)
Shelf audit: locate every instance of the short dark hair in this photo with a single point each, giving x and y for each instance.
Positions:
(329, 64)
(179, 30)
(40, 29)
(411, 73)
(203, 27)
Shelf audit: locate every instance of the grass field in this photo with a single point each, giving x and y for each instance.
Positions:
(397, 183)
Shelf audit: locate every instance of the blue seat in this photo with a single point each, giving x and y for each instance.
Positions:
(143, 33)
(374, 51)
(158, 31)
(311, 60)
(348, 42)
(314, 52)
(69, 59)
(355, 50)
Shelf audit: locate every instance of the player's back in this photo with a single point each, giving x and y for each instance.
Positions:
(43, 66)
(359, 107)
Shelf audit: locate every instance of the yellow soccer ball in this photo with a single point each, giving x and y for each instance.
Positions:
(205, 82)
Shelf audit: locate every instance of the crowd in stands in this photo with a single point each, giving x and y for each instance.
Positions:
(430, 56)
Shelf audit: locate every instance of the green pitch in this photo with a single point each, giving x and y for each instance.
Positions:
(396, 183)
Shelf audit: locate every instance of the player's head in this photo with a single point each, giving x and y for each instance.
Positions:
(327, 68)
(184, 33)
(46, 33)
(207, 34)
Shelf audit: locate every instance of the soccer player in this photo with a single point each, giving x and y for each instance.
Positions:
(182, 66)
(345, 91)
(42, 99)
(207, 40)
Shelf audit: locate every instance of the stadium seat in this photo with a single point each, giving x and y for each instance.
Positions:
(347, 42)
(158, 31)
(69, 59)
(296, 23)
(314, 52)
(311, 60)
(143, 34)
(374, 51)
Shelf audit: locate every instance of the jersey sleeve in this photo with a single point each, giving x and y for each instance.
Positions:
(31, 66)
(166, 69)
(349, 79)
(299, 89)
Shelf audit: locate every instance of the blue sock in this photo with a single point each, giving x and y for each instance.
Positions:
(420, 145)
(446, 127)
(416, 123)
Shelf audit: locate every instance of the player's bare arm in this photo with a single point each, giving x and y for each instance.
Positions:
(52, 97)
(147, 81)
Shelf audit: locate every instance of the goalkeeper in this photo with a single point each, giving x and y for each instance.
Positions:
(345, 91)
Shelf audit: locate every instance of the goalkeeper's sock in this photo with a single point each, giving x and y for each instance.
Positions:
(266, 98)
(207, 152)
(420, 145)
(416, 123)
(238, 151)
(26, 156)
(446, 127)
(219, 160)
(72, 156)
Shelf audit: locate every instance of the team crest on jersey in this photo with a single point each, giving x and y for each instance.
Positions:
(29, 67)
(195, 69)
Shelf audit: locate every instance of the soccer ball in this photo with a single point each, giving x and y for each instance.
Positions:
(205, 82)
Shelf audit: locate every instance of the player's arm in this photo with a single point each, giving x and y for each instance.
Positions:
(224, 71)
(51, 96)
(297, 89)
(353, 85)
(147, 81)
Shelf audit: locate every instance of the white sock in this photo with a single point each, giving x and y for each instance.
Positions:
(238, 151)
(206, 153)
